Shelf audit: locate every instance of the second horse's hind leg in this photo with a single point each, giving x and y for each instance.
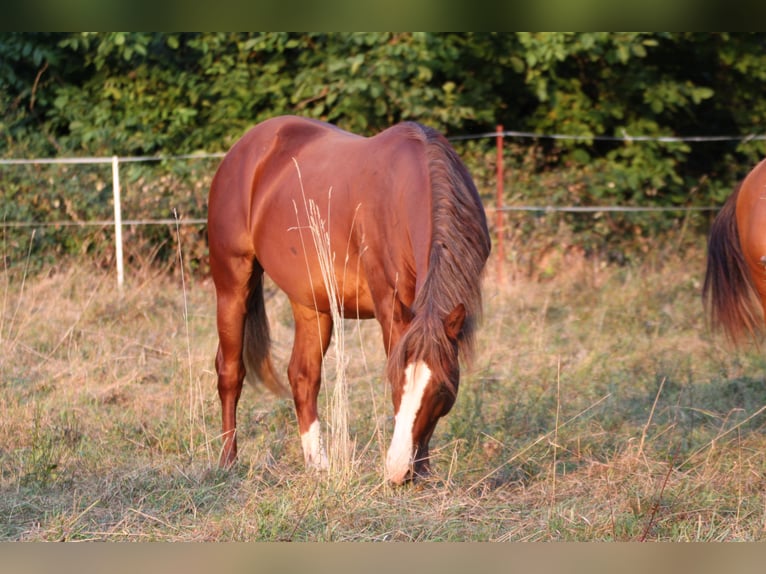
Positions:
(312, 337)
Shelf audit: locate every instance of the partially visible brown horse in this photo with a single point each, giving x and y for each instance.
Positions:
(735, 280)
(410, 239)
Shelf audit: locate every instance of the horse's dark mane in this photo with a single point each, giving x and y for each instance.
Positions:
(460, 246)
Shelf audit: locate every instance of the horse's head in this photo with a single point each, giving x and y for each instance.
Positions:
(424, 374)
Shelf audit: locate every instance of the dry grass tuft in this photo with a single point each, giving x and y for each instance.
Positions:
(599, 408)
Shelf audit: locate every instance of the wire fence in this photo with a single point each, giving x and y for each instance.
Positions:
(115, 161)
(625, 138)
(500, 134)
(600, 209)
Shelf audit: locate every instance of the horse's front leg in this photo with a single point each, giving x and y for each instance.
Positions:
(312, 337)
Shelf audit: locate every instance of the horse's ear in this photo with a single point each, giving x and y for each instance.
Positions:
(453, 323)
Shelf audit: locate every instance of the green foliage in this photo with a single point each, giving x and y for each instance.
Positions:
(142, 93)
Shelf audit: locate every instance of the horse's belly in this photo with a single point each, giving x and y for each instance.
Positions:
(304, 285)
(291, 252)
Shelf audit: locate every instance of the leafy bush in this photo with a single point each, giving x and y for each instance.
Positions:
(163, 94)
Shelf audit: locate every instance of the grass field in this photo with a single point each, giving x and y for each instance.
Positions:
(598, 408)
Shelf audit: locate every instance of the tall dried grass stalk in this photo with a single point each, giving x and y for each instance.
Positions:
(555, 441)
(7, 284)
(196, 397)
(21, 291)
(645, 430)
(340, 454)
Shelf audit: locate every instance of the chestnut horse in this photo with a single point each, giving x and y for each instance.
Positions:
(735, 279)
(410, 240)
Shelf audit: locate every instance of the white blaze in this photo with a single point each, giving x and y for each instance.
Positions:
(401, 452)
(313, 451)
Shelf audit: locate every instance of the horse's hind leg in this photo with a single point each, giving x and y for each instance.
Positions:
(231, 294)
(312, 337)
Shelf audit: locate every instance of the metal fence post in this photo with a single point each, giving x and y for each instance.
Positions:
(117, 221)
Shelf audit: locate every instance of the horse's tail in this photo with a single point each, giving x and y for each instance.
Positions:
(728, 293)
(256, 352)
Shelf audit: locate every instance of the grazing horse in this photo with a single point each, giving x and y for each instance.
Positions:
(410, 241)
(735, 279)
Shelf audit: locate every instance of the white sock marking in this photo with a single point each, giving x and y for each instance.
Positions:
(313, 451)
(401, 452)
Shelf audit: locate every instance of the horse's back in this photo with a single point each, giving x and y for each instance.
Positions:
(751, 226)
(255, 166)
(281, 147)
(291, 131)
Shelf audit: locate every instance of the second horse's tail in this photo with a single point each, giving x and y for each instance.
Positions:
(728, 292)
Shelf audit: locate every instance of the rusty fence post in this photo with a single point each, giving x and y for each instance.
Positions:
(499, 215)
